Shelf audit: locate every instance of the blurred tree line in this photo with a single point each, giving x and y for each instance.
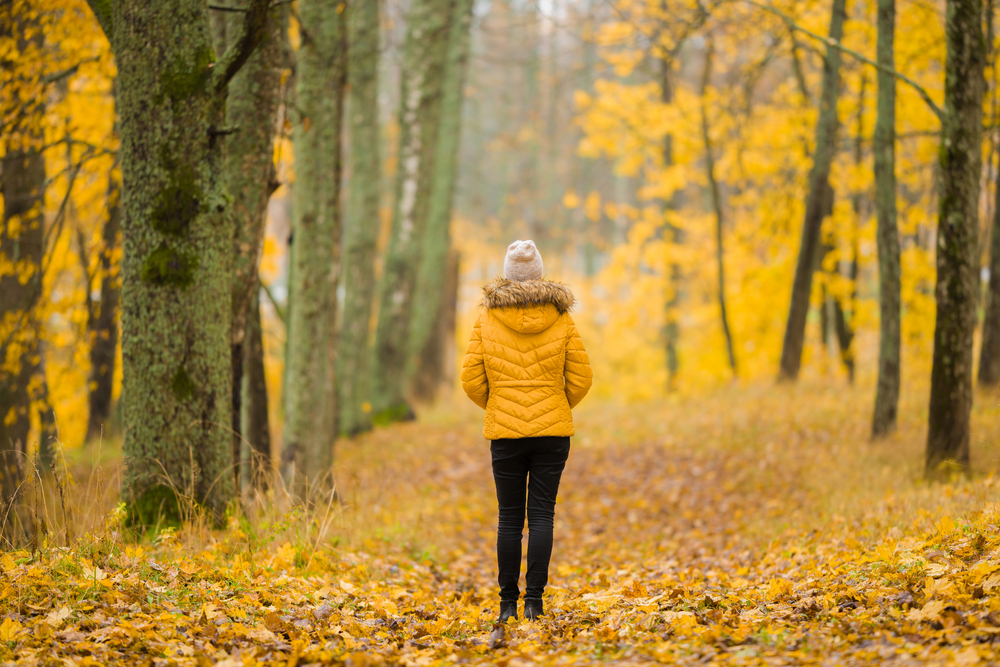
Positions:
(720, 177)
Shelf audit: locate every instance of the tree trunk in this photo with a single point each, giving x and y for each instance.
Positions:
(819, 192)
(989, 355)
(363, 219)
(957, 262)
(842, 326)
(177, 241)
(22, 183)
(104, 328)
(434, 360)
(310, 408)
(673, 234)
(887, 394)
(713, 186)
(254, 425)
(432, 276)
(423, 66)
(252, 111)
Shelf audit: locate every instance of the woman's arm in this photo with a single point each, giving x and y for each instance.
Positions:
(474, 380)
(578, 373)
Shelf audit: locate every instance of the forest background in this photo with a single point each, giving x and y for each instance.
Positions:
(694, 171)
(296, 205)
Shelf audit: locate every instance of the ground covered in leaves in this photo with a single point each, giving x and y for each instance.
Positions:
(742, 529)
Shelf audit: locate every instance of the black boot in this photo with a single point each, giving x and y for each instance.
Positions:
(533, 609)
(508, 610)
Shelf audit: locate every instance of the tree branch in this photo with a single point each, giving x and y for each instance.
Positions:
(102, 11)
(250, 32)
(854, 54)
(279, 311)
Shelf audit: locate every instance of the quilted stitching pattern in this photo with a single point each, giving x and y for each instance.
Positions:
(527, 367)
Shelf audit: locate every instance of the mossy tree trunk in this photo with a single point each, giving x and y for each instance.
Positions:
(255, 456)
(957, 289)
(22, 183)
(177, 243)
(989, 355)
(311, 404)
(429, 300)
(252, 113)
(363, 219)
(423, 66)
(819, 192)
(104, 325)
(887, 393)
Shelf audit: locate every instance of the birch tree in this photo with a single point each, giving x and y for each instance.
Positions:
(424, 55)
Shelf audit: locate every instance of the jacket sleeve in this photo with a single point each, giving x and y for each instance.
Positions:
(474, 380)
(578, 373)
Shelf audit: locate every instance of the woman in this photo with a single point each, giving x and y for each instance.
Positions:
(526, 366)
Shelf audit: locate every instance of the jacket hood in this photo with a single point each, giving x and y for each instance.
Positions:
(528, 306)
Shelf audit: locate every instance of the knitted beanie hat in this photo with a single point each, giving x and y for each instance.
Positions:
(522, 262)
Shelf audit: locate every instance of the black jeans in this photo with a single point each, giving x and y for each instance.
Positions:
(534, 465)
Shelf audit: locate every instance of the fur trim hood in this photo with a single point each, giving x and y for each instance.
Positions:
(503, 293)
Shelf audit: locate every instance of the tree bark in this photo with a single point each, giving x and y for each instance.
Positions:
(363, 219)
(311, 405)
(424, 55)
(957, 263)
(177, 243)
(22, 183)
(673, 234)
(432, 276)
(104, 327)
(989, 355)
(435, 360)
(254, 425)
(889, 357)
(252, 111)
(819, 187)
(843, 326)
(716, 195)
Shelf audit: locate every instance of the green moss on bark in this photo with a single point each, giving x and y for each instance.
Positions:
(157, 506)
(181, 80)
(182, 385)
(169, 267)
(179, 203)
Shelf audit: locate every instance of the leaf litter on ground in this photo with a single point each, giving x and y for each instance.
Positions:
(712, 541)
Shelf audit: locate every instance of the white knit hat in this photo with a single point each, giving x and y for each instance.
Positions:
(522, 261)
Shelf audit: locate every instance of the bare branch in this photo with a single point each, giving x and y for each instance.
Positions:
(279, 311)
(854, 54)
(250, 32)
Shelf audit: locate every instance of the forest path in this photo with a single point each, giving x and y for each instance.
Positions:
(739, 530)
(711, 540)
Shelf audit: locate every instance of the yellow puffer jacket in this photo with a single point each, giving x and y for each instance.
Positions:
(525, 364)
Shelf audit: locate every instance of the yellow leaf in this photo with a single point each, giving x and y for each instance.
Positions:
(929, 612)
(9, 630)
(8, 563)
(348, 587)
(57, 616)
